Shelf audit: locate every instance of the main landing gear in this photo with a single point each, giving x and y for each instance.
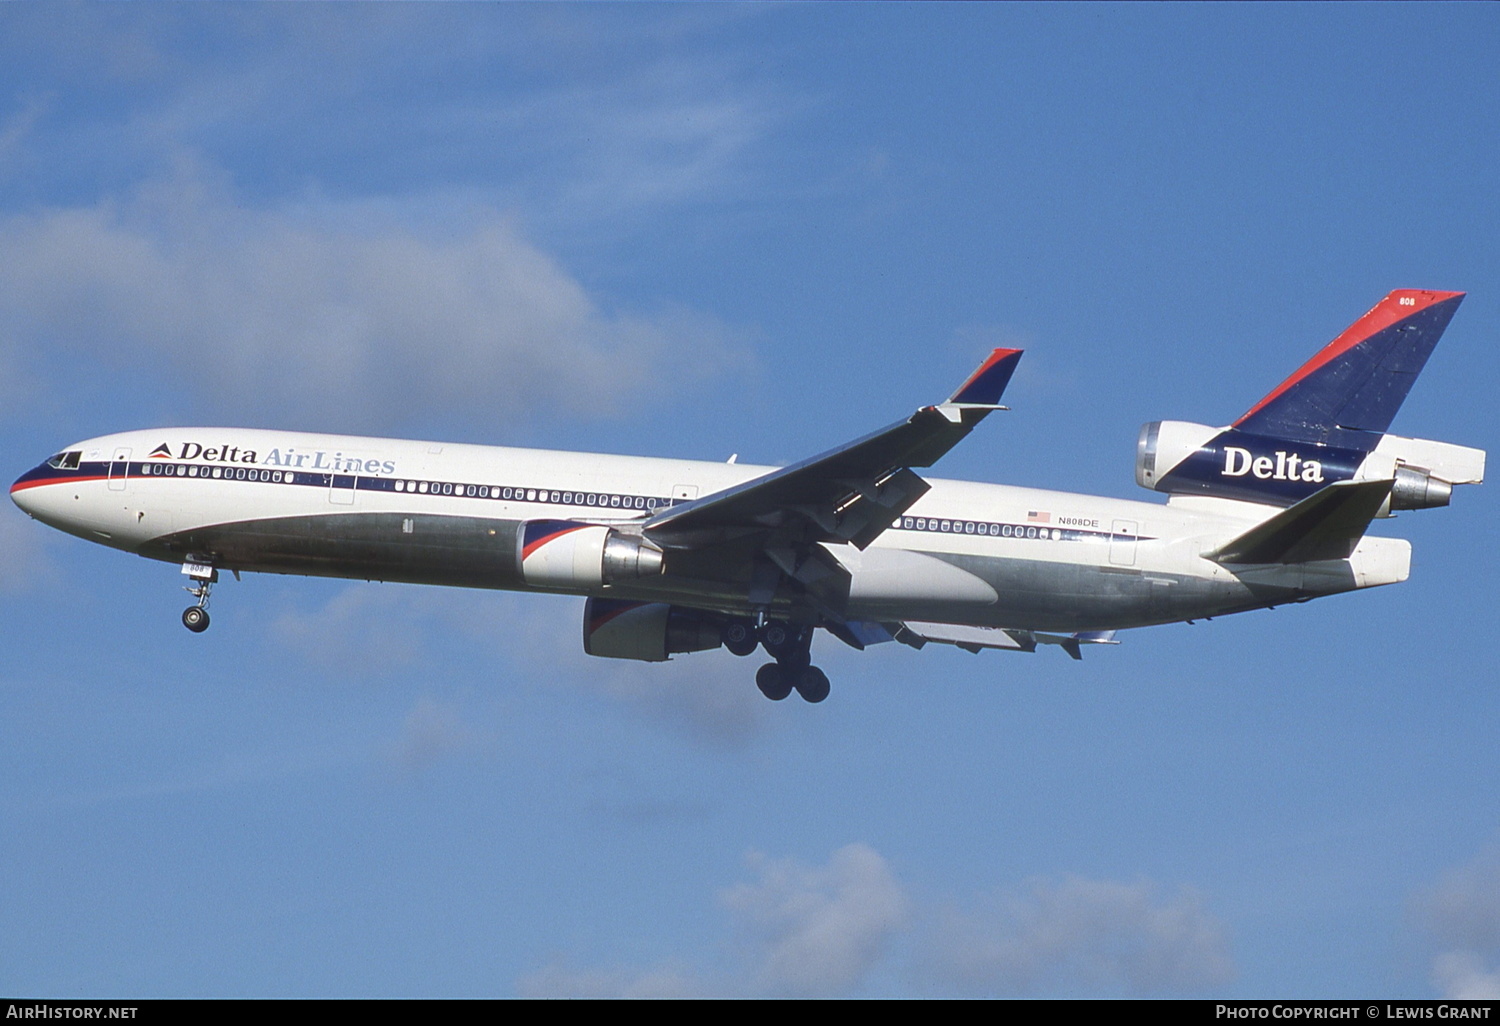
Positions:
(204, 577)
(791, 647)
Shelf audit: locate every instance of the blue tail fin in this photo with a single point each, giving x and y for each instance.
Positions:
(1325, 423)
(1348, 393)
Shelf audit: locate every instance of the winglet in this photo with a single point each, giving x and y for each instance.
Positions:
(987, 384)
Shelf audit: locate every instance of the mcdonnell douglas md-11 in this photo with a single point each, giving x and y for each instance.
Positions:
(678, 556)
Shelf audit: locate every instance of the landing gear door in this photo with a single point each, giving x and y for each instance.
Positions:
(119, 469)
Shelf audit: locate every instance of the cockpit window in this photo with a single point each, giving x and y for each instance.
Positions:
(66, 460)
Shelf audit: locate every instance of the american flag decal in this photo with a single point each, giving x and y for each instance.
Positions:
(1037, 517)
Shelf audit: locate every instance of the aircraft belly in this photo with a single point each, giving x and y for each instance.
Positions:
(1058, 596)
(412, 548)
(886, 576)
(884, 584)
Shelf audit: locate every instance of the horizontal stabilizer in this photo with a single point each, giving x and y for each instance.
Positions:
(1328, 524)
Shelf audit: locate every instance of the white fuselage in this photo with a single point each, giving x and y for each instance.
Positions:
(384, 509)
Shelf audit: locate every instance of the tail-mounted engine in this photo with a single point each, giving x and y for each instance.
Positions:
(571, 554)
(1181, 458)
(649, 631)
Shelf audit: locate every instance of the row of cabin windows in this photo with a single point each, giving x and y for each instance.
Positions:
(975, 527)
(600, 499)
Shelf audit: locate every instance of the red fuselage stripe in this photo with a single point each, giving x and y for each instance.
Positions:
(22, 485)
(528, 550)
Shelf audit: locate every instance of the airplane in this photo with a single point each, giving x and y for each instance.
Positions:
(676, 556)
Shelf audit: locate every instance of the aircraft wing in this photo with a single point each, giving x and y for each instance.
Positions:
(848, 494)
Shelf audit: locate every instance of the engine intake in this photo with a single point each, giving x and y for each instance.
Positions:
(1163, 445)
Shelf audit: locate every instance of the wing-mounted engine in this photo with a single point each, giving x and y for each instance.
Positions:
(648, 631)
(573, 554)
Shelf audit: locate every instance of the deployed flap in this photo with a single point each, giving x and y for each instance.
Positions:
(849, 494)
(970, 638)
(859, 634)
(1325, 525)
(974, 639)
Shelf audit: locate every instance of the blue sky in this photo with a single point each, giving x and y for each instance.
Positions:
(694, 231)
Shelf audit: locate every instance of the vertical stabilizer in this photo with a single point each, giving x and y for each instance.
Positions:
(1326, 423)
(1349, 392)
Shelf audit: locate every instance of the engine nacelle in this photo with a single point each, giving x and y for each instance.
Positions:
(1181, 458)
(1426, 471)
(1166, 443)
(1418, 489)
(648, 631)
(572, 554)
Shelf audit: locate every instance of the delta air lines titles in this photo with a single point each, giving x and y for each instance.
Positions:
(288, 457)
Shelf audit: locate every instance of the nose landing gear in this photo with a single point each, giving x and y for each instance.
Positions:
(204, 576)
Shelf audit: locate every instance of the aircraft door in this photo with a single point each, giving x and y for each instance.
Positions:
(119, 469)
(1122, 542)
(341, 489)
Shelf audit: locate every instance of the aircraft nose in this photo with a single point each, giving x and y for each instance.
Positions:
(18, 495)
(24, 493)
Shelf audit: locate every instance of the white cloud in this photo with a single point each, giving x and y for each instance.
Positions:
(336, 315)
(1463, 976)
(558, 980)
(369, 631)
(819, 930)
(365, 631)
(708, 696)
(432, 731)
(810, 931)
(1462, 913)
(15, 129)
(826, 930)
(1074, 932)
(1464, 908)
(582, 118)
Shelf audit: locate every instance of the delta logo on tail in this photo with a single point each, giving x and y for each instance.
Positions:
(1324, 424)
(1284, 467)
